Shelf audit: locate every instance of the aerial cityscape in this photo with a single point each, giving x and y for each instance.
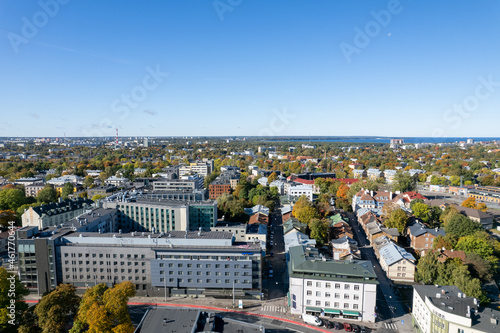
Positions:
(250, 166)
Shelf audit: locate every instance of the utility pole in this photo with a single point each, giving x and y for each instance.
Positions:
(165, 280)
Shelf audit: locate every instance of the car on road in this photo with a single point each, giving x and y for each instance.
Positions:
(337, 325)
(348, 327)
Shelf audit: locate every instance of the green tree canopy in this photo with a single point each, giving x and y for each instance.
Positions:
(67, 189)
(57, 308)
(460, 225)
(403, 182)
(5, 301)
(319, 230)
(11, 199)
(47, 195)
(398, 219)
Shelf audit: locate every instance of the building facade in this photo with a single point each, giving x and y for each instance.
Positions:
(338, 289)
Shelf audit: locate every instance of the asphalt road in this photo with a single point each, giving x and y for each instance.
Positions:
(277, 285)
(390, 312)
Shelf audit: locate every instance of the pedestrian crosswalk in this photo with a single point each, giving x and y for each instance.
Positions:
(273, 308)
(391, 326)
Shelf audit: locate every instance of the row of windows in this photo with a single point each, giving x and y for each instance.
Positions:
(108, 263)
(327, 304)
(101, 255)
(102, 277)
(336, 295)
(206, 273)
(102, 270)
(329, 285)
(172, 280)
(203, 265)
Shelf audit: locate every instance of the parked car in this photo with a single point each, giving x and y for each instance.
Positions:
(312, 320)
(337, 325)
(327, 323)
(348, 327)
(355, 328)
(362, 329)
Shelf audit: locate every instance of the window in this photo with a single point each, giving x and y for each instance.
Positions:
(356, 297)
(347, 287)
(308, 302)
(336, 304)
(318, 284)
(327, 303)
(356, 287)
(318, 294)
(328, 285)
(309, 293)
(327, 294)
(337, 285)
(337, 295)
(346, 296)
(309, 283)
(318, 303)
(346, 305)
(355, 306)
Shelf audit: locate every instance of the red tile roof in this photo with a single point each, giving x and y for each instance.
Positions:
(414, 195)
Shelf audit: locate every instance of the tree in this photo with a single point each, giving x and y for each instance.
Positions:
(403, 182)
(105, 310)
(470, 286)
(11, 199)
(342, 191)
(47, 195)
(482, 207)
(448, 214)
(272, 177)
(479, 267)
(88, 182)
(470, 202)
(398, 219)
(67, 189)
(388, 208)
(6, 216)
(319, 230)
(475, 244)
(57, 308)
(304, 211)
(460, 226)
(19, 306)
(441, 242)
(98, 197)
(427, 268)
(422, 212)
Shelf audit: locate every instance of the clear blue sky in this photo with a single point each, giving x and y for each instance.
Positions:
(231, 69)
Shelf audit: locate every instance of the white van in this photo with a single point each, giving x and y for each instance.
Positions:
(312, 320)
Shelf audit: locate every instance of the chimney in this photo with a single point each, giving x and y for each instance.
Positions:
(371, 193)
(390, 195)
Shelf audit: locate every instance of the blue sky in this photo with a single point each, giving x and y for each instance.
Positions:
(250, 67)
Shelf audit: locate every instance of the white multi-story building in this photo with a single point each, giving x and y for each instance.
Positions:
(334, 288)
(448, 309)
(300, 190)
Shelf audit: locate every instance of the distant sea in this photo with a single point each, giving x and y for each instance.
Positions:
(374, 139)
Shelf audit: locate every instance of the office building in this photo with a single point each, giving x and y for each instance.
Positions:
(448, 309)
(333, 288)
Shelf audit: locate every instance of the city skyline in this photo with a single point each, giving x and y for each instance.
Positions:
(241, 68)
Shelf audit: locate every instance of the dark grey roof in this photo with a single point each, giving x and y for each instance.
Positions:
(304, 262)
(418, 229)
(448, 300)
(62, 207)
